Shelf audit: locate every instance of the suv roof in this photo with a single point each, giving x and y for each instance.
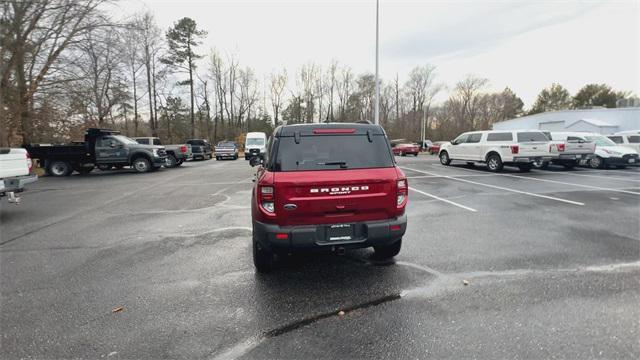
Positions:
(310, 129)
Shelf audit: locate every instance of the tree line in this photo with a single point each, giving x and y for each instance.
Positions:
(66, 65)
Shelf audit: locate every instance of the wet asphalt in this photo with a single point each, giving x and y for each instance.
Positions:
(121, 265)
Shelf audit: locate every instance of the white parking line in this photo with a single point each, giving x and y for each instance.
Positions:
(502, 188)
(572, 184)
(443, 200)
(602, 177)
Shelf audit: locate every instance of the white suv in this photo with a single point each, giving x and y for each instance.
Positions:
(498, 148)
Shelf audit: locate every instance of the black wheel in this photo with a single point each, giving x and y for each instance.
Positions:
(141, 165)
(596, 162)
(171, 161)
(235, 157)
(104, 167)
(218, 158)
(444, 158)
(60, 168)
(402, 154)
(494, 163)
(388, 251)
(525, 167)
(540, 164)
(85, 170)
(262, 257)
(180, 162)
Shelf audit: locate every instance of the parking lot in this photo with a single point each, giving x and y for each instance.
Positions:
(510, 265)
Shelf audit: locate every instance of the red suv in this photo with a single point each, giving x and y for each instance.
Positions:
(327, 186)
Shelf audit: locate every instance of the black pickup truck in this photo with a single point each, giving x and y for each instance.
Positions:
(102, 148)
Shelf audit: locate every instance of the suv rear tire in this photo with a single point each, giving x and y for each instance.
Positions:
(262, 257)
(444, 158)
(388, 251)
(494, 163)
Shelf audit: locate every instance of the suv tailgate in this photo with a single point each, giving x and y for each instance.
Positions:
(339, 196)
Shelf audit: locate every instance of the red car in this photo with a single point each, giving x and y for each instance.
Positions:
(435, 147)
(404, 149)
(327, 187)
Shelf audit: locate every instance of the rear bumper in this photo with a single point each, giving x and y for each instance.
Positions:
(226, 155)
(310, 237)
(16, 184)
(571, 158)
(530, 159)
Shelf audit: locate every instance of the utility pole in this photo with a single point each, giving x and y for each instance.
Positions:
(377, 110)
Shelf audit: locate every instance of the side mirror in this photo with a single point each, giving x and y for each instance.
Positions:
(453, 142)
(255, 161)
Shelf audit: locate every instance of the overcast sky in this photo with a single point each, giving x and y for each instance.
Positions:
(525, 45)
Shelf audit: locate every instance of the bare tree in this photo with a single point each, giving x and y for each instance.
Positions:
(344, 90)
(35, 34)
(331, 75)
(278, 84)
(149, 38)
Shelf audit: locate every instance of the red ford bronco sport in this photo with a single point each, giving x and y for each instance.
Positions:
(327, 186)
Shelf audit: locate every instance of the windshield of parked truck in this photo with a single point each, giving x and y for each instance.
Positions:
(601, 140)
(125, 140)
(255, 141)
(332, 152)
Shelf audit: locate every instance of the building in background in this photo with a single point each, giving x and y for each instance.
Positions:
(602, 121)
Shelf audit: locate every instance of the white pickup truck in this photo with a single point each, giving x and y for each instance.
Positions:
(498, 148)
(569, 149)
(15, 173)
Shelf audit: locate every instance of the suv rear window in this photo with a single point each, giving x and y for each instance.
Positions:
(532, 136)
(506, 136)
(332, 152)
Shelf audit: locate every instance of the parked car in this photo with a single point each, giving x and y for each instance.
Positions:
(176, 154)
(200, 149)
(15, 173)
(405, 149)
(434, 148)
(101, 147)
(608, 153)
(327, 186)
(255, 145)
(226, 150)
(570, 149)
(498, 148)
(629, 139)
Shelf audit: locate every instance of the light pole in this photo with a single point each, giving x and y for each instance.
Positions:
(377, 107)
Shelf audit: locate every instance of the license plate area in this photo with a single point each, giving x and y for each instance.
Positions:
(631, 161)
(339, 232)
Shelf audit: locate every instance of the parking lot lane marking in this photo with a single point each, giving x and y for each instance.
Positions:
(601, 177)
(572, 184)
(506, 189)
(443, 200)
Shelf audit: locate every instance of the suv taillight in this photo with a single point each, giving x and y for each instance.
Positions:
(515, 149)
(560, 147)
(266, 199)
(29, 163)
(401, 199)
(183, 149)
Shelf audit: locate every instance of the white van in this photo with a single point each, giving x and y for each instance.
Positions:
(255, 145)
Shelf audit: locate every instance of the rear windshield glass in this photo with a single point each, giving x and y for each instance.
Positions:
(532, 136)
(332, 152)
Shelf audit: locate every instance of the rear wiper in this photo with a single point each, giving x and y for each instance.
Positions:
(343, 164)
